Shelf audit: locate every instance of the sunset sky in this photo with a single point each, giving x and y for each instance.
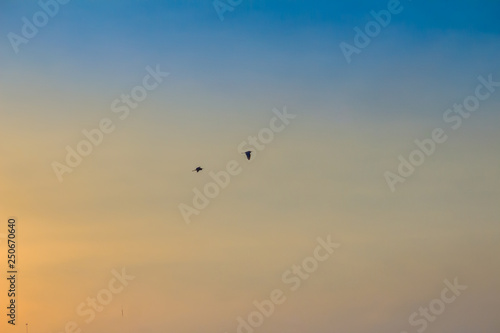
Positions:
(208, 77)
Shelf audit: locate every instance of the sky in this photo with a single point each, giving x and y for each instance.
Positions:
(370, 203)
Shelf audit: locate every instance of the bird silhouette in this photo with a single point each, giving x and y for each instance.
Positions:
(198, 169)
(248, 154)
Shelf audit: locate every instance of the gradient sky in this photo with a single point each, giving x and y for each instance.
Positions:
(323, 175)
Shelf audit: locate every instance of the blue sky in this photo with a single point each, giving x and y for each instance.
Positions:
(270, 44)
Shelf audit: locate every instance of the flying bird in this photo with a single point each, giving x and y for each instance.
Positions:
(198, 169)
(248, 154)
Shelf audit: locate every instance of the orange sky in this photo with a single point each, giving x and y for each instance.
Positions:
(110, 235)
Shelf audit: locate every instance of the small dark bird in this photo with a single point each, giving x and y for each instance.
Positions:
(248, 154)
(198, 169)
